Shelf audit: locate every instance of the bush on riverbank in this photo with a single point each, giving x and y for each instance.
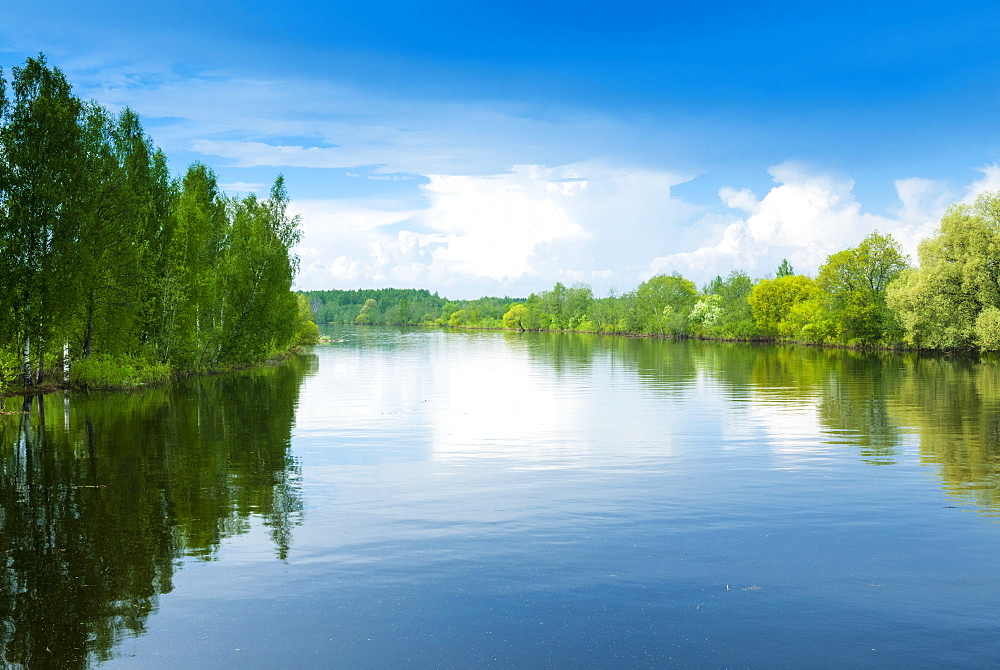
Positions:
(104, 372)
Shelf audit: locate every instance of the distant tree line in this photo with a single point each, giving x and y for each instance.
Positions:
(869, 295)
(107, 257)
(405, 307)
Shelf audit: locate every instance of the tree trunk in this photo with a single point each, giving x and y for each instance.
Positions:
(88, 339)
(26, 370)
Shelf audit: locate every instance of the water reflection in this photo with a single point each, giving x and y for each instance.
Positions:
(954, 406)
(810, 401)
(100, 496)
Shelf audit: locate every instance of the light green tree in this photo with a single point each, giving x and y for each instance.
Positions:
(516, 317)
(663, 304)
(733, 317)
(852, 285)
(773, 301)
(940, 302)
(368, 310)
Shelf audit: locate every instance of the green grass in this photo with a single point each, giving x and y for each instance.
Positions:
(103, 372)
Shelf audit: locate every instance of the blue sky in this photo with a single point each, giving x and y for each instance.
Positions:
(496, 148)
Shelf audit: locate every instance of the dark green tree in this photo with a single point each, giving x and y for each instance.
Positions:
(40, 142)
(261, 312)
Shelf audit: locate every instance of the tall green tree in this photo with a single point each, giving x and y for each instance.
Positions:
(41, 146)
(852, 285)
(117, 225)
(724, 309)
(261, 312)
(189, 298)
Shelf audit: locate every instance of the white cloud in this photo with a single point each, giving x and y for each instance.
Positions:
(990, 182)
(477, 228)
(495, 227)
(518, 231)
(336, 238)
(255, 154)
(805, 218)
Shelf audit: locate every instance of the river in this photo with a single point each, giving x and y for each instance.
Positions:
(416, 498)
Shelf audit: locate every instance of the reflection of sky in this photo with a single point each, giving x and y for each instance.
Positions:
(791, 427)
(468, 396)
(425, 395)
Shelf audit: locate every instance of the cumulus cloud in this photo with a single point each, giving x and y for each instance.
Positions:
(989, 182)
(517, 231)
(336, 239)
(805, 218)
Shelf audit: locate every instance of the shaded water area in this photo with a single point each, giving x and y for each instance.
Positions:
(419, 498)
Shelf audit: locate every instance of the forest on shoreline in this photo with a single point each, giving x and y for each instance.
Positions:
(870, 295)
(112, 265)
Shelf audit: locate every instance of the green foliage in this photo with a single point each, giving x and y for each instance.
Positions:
(103, 371)
(259, 312)
(404, 307)
(563, 308)
(784, 269)
(664, 303)
(988, 329)
(306, 331)
(939, 303)
(772, 302)
(100, 249)
(368, 312)
(9, 366)
(516, 317)
(725, 308)
(852, 286)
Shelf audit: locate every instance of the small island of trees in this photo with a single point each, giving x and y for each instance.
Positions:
(109, 262)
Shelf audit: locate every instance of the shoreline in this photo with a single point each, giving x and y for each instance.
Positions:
(48, 387)
(898, 349)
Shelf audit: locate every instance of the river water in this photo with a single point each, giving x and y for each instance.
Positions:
(417, 498)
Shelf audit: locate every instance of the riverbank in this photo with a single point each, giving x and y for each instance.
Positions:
(761, 339)
(105, 373)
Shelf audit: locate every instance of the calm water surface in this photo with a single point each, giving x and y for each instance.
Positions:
(418, 499)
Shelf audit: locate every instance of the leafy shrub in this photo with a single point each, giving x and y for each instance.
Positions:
(988, 329)
(10, 367)
(102, 371)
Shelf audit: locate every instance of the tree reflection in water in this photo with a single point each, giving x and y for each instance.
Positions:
(870, 400)
(101, 495)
